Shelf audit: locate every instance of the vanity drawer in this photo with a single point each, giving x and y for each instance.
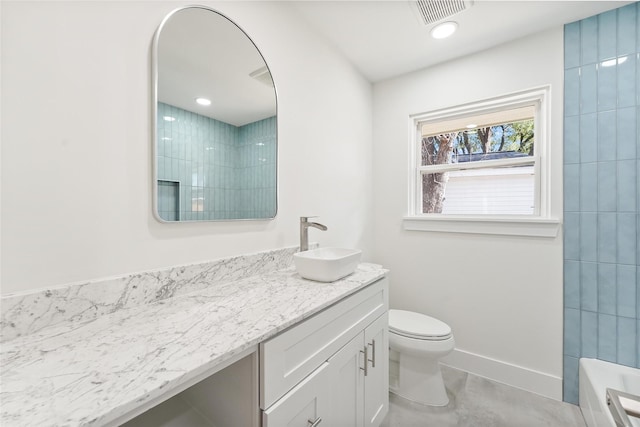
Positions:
(289, 357)
(303, 405)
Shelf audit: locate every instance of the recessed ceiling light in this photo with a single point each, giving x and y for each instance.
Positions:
(203, 101)
(444, 30)
(472, 126)
(612, 62)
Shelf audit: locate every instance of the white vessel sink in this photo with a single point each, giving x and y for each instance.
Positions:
(326, 264)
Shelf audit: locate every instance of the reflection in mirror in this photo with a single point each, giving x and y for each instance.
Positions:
(215, 121)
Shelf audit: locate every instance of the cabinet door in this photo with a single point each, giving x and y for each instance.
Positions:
(289, 357)
(376, 382)
(305, 405)
(346, 374)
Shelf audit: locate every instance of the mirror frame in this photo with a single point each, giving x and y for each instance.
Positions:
(154, 119)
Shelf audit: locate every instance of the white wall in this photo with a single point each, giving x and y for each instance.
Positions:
(76, 175)
(76, 140)
(501, 295)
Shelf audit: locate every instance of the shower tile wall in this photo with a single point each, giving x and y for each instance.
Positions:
(256, 170)
(209, 161)
(601, 191)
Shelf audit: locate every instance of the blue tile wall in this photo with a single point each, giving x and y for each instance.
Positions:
(222, 171)
(601, 191)
(257, 169)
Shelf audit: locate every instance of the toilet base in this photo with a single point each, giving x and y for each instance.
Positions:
(420, 381)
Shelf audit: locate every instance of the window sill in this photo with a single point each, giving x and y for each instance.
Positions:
(506, 226)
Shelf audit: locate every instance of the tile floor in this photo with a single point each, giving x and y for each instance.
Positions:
(478, 402)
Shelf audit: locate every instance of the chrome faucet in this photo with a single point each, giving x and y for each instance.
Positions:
(304, 231)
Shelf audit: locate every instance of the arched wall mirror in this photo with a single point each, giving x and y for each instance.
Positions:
(215, 121)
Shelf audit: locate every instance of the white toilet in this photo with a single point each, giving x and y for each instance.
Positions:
(417, 342)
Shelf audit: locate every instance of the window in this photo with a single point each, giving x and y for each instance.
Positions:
(482, 163)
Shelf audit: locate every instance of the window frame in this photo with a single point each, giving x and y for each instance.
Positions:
(540, 223)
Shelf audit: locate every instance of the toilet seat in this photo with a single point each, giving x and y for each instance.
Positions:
(418, 326)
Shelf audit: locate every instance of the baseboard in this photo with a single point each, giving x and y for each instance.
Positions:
(516, 376)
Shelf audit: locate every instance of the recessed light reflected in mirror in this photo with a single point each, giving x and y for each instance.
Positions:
(203, 101)
(169, 118)
(444, 30)
(612, 62)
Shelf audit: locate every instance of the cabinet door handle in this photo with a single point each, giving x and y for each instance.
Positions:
(366, 358)
(373, 353)
(314, 423)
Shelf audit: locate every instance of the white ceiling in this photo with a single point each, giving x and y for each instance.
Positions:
(202, 54)
(384, 39)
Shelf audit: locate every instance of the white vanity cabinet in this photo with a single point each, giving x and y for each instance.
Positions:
(330, 369)
(359, 394)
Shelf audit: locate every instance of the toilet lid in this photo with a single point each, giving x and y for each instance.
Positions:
(417, 325)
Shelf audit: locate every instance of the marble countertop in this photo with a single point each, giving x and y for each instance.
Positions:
(94, 372)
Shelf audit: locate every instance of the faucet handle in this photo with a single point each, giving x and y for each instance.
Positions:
(305, 218)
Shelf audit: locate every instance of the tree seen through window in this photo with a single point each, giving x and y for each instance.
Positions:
(501, 141)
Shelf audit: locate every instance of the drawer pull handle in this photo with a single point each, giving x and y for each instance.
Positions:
(366, 358)
(373, 353)
(314, 423)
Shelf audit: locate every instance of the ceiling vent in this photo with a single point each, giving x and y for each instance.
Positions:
(263, 76)
(430, 11)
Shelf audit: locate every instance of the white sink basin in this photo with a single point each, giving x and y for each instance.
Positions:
(326, 264)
